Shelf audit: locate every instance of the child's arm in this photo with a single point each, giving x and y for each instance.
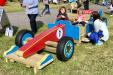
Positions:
(24, 4)
(66, 17)
(76, 18)
(84, 18)
(62, 17)
(58, 16)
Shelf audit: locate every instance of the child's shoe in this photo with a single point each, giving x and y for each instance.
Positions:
(99, 43)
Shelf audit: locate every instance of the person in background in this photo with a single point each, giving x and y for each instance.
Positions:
(111, 1)
(100, 33)
(80, 21)
(62, 15)
(104, 2)
(46, 10)
(78, 3)
(86, 4)
(80, 18)
(55, 1)
(65, 1)
(111, 9)
(97, 2)
(31, 7)
(21, 1)
(80, 15)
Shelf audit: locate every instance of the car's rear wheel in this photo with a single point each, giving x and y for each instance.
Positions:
(23, 37)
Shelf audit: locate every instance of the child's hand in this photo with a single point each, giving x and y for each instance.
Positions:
(79, 20)
(75, 19)
(23, 6)
(62, 16)
(86, 21)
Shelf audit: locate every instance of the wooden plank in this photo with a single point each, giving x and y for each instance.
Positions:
(36, 61)
(30, 61)
(19, 53)
(50, 49)
(51, 43)
(84, 39)
(16, 58)
(82, 30)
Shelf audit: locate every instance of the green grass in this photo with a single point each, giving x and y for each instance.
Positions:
(88, 59)
(15, 6)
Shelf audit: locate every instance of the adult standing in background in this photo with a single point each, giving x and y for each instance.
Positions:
(104, 2)
(46, 9)
(86, 4)
(31, 7)
(96, 2)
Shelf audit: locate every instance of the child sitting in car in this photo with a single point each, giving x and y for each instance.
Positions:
(62, 15)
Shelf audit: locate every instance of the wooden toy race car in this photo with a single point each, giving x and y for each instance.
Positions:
(59, 38)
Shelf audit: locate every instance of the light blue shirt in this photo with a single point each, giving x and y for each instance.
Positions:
(31, 6)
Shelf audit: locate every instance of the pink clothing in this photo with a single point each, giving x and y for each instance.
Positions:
(87, 11)
(81, 17)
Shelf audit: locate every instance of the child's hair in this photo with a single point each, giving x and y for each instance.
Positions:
(95, 15)
(62, 8)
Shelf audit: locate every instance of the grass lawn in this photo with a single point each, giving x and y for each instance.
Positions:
(15, 6)
(87, 59)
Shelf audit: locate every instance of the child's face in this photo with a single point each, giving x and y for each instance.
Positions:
(63, 10)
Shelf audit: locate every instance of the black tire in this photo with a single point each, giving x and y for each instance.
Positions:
(20, 35)
(61, 51)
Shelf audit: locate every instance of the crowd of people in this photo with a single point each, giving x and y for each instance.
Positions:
(98, 36)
